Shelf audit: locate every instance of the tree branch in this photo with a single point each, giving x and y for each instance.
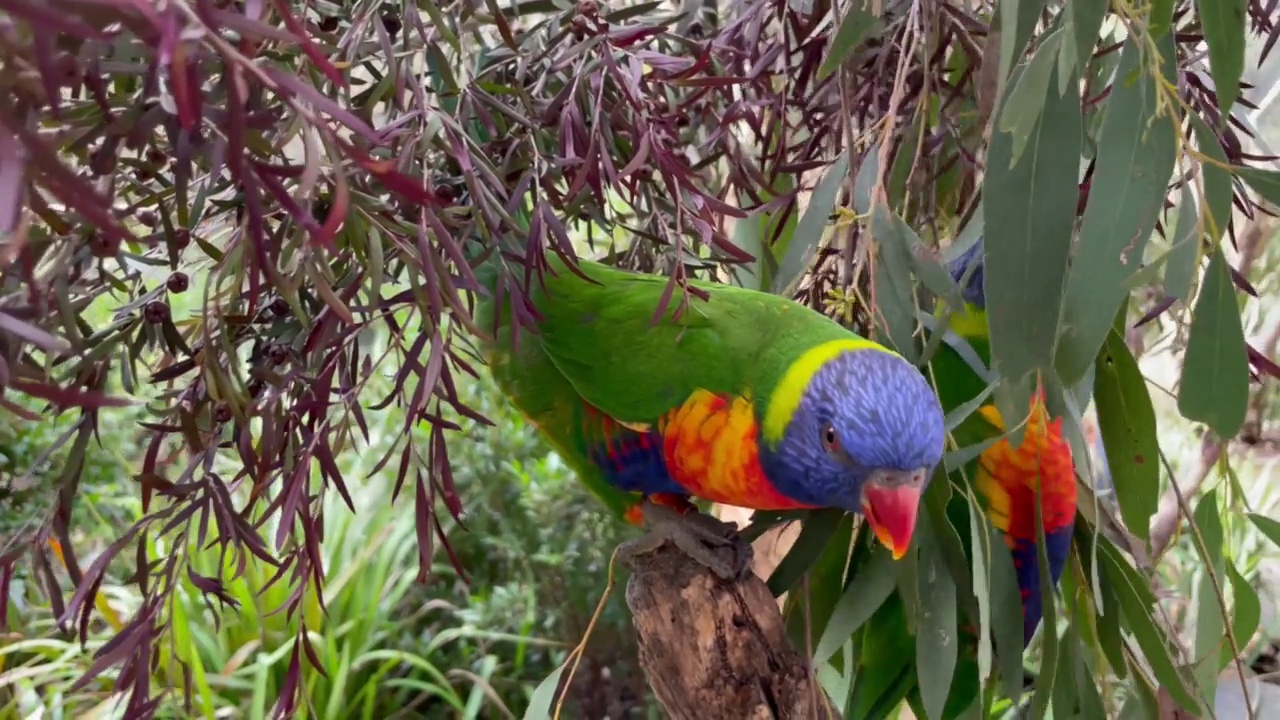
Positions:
(717, 650)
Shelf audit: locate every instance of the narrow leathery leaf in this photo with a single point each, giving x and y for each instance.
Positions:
(1110, 635)
(957, 459)
(1136, 152)
(1127, 423)
(1027, 243)
(1245, 616)
(1017, 22)
(960, 346)
(1214, 388)
(1065, 697)
(1136, 604)
(1264, 182)
(1223, 22)
(817, 530)
(936, 638)
(1160, 17)
(1184, 254)
(888, 226)
(1217, 179)
(1026, 98)
(969, 407)
(857, 24)
(1267, 526)
(1211, 623)
(895, 305)
(1086, 21)
(544, 696)
(980, 551)
(1006, 604)
(808, 233)
(825, 585)
(873, 584)
(1087, 694)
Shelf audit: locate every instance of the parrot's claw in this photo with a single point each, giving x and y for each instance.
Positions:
(697, 535)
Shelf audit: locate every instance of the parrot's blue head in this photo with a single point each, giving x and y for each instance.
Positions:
(866, 436)
(972, 289)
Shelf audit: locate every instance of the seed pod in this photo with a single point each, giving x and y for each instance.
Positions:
(102, 245)
(178, 283)
(222, 413)
(156, 312)
(277, 354)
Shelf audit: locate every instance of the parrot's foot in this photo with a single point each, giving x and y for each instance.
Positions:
(697, 535)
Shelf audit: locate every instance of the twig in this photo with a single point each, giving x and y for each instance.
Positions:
(1217, 590)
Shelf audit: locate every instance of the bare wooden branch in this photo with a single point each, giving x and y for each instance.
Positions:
(717, 650)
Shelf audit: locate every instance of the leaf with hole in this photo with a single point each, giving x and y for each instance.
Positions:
(1127, 424)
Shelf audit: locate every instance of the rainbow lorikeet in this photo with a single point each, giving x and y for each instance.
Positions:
(1005, 479)
(742, 398)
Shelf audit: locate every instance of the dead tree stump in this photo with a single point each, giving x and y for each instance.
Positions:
(717, 650)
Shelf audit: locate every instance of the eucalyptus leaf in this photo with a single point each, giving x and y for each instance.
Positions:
(1215, 372)
(1127, 423)
(1136, 152)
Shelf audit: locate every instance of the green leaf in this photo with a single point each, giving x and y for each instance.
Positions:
(809, 231)
(543, 696)
(1084, 20)
(816, 531)
(863, 596)
(981, 552)
(1136, 602)
(1247, 613)
(1215, 372)
(1018, 20)
(1217, 179)
(964, 410)
(826, 585)
(936, 637)
(1006, 604)
(1184, 255)
(760, 235)
(1160, 17)
(1065, 693)
(1026, 98)
(1264, 182)
(1127, 423)
(855, 27)
(1027, 243)
(1210, 621)
(1267, 527)
(1136, 152)
(1223, 24)
(1091, 705)
(888, 226)
(895, 306)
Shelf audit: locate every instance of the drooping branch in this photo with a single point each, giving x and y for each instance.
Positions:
(717, 650)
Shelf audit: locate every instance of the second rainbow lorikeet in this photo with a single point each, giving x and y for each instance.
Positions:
(1006, 480)
(743, 398)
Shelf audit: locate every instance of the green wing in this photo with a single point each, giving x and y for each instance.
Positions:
(602, 338)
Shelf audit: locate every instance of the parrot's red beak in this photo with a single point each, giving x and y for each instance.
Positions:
(890, 503)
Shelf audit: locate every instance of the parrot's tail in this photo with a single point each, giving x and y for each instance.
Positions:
(972, 291)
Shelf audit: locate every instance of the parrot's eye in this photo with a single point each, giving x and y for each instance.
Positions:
(829, 440)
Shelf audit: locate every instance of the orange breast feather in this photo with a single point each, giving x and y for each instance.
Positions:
(710, 447)
(1008, 477)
